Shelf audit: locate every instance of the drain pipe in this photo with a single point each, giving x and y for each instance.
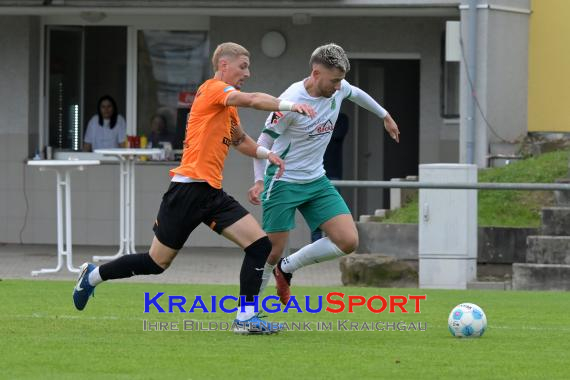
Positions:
(472, 73)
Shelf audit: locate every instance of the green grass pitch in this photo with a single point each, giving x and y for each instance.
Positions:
(43, 336)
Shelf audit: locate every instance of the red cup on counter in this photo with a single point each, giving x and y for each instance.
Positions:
(133, 141)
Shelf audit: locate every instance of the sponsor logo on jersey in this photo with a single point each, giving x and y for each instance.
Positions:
(322, 129)
(229, 88)
(275, 117)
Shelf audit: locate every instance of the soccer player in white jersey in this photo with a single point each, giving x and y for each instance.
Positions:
(301, 143)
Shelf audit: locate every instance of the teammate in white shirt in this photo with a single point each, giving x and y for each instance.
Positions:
(301, 143)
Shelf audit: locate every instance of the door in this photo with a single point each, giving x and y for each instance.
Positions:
(370, 153)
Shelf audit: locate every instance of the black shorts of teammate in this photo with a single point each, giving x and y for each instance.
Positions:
(185, 205)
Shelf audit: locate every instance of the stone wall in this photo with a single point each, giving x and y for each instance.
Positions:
(496, 245)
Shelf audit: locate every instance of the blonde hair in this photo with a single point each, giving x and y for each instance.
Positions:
(227, 49)
(330, 55)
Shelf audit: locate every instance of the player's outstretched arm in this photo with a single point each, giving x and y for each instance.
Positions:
(365, 101)
(266, 102)
(392, 128)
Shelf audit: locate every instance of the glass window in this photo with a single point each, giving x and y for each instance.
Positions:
(84, 64)
(449, 84)
(65, 87)
(451, 90)
(171, 67)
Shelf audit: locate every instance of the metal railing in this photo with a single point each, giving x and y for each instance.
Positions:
(456, 185)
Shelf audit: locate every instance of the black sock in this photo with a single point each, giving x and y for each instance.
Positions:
(252, 268)
(128, 266)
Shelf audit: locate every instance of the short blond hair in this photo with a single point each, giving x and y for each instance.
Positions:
(227, 49)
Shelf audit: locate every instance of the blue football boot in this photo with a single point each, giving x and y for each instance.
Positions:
(83, 290)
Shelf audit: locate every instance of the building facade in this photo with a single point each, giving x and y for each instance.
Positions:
(414, 56)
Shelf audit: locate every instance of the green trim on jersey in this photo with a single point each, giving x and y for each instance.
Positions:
(271, 133)
(272, 168)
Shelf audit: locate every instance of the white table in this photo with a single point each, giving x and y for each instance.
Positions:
(127, 157)
(62, 169)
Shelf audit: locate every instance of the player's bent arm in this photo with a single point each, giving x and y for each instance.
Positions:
(242, 142)
(247, 146)
(365, 101)
(266, 142)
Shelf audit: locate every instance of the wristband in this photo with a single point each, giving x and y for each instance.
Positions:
(285, 105)
(262, 152)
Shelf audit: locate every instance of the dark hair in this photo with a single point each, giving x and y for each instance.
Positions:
(161, 117)
(113, 116)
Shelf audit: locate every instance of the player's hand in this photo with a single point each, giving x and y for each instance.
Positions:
(254, 193)
(276, 160)
(392, 128)
(304, 109)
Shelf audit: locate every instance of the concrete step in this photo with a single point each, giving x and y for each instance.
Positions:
(548, 249)
(489, 285)
(541, 277)
(370, 219)
(369, 269)
(555, 221)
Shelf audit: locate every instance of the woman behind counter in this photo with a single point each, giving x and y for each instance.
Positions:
(107, 129)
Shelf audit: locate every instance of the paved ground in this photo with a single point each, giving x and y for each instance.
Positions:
(193, 265)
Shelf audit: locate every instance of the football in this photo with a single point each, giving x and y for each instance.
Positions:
(467, 320)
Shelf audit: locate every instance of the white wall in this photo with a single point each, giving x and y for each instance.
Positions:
(18, 67)
(501, 77)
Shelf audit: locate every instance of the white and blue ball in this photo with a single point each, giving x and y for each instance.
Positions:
(467, 320)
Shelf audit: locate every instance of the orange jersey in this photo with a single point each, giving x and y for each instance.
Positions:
(208, 133)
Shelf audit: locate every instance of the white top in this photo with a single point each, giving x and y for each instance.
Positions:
(300, 140)
(128, 151)
(102, 136)
(45, 163)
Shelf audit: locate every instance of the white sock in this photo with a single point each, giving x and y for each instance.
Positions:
(267, 271)
(321, 250)
(94, 277)
(247, 314)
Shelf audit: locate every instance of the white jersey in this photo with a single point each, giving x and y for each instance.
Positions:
(299, 140)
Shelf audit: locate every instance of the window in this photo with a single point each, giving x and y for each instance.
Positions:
(65, 87)
(450, 65)
(450, 91)
(171, 67)
(83, 64)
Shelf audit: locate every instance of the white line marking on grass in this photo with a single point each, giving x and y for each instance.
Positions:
(532, 328)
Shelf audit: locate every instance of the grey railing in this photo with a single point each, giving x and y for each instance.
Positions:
(456, 185)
